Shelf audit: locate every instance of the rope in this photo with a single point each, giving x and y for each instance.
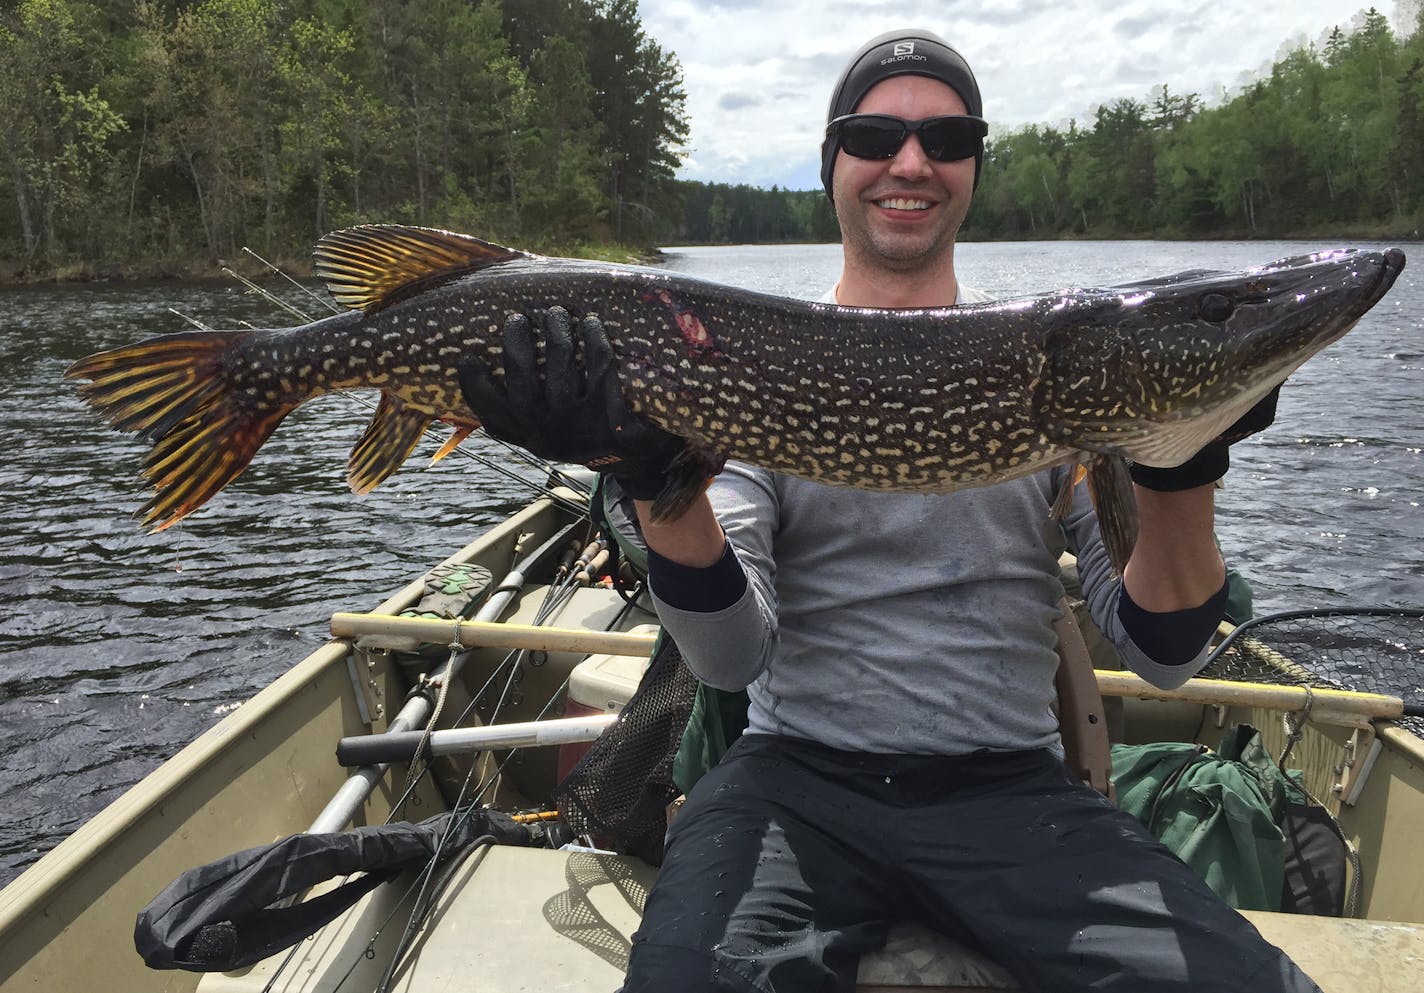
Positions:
(1295, 721)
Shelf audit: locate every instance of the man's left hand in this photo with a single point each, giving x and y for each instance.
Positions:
(1211, 463)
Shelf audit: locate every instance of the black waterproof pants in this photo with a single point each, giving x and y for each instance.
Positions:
(790, 859)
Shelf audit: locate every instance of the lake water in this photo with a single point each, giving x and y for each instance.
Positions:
(118, 647)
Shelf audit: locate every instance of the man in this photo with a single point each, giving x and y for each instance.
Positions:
(901, 758)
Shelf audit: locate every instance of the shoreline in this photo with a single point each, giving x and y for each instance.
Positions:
(76, 273)
(217, 270)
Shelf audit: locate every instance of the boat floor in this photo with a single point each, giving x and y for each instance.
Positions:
(517, 918)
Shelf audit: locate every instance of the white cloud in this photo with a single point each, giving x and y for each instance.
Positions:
(758, 73)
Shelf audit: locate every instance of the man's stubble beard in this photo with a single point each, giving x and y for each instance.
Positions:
(874, 249)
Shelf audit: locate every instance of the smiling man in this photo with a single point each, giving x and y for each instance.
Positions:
(901, 757)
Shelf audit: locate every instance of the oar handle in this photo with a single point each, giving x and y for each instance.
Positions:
(374, 749)
(379, 628)
(1286, 698)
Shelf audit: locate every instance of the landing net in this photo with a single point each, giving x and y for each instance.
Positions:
(1364, 650)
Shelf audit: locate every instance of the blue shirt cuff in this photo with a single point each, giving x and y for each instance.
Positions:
(1173, 637)
(702, 590)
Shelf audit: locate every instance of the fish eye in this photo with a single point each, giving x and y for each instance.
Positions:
(1215, 308)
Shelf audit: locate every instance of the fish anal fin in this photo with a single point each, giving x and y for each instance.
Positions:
(387, 442)
(462, 431)
(374, 265)
(1116, 506)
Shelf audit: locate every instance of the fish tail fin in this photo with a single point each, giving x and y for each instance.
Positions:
(173, 391)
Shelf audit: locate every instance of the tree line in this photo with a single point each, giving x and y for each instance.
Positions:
(163, 132)
(1332, 139)
(169, 134)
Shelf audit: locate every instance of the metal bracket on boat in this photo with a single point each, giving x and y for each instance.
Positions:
(364, 663)
(1360, 753)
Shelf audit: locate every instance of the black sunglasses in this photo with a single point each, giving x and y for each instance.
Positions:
(879, 136)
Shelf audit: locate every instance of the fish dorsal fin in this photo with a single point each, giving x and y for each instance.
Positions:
(374, 265)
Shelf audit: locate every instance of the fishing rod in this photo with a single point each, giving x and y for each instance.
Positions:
(339, 811)
(425, 888)
(326, 302)
(363, 781)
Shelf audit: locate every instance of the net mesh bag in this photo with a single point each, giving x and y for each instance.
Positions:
(620, 789)
(1377, 650)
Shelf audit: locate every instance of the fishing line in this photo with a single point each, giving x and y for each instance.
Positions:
(327, 303)
(426, 898)
(423, 905)
(426, 888)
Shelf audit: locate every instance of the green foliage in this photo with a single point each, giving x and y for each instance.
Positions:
(160, 132)
(1332, 140)
(163, 132)
(57, 130)
(716, 213)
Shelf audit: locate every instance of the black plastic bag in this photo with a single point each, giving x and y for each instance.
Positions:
(220, 916)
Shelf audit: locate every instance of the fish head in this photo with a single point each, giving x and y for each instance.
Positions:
(1278, 315)
(1171, 362)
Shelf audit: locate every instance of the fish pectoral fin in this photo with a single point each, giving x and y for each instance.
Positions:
(462, 431)
(1116, 506)
(1162, 444)
(374, 265)
(387, 442)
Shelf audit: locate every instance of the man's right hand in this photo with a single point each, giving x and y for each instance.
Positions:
(572, 411)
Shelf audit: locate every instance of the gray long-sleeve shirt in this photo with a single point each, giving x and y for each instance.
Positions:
(900, 623)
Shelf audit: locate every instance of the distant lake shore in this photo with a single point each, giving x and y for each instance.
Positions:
(300, 266)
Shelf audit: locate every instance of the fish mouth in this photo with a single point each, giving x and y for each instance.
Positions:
(1392, 264)
(1373, 273)
(1309, 302)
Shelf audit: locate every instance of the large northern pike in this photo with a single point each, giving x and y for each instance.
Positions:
(925, 400)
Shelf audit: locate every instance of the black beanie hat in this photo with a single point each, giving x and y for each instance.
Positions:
(899, 53)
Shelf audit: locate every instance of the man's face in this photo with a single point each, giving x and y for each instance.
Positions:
(903, 213)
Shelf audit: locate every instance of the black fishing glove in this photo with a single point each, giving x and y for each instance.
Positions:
(1211, 463)
(572, 410)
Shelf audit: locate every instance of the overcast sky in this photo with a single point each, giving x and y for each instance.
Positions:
(758, 73)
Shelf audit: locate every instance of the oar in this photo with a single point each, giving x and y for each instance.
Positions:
(1322, 703)
(379, 628)
(370, 749)
(1319, 638)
